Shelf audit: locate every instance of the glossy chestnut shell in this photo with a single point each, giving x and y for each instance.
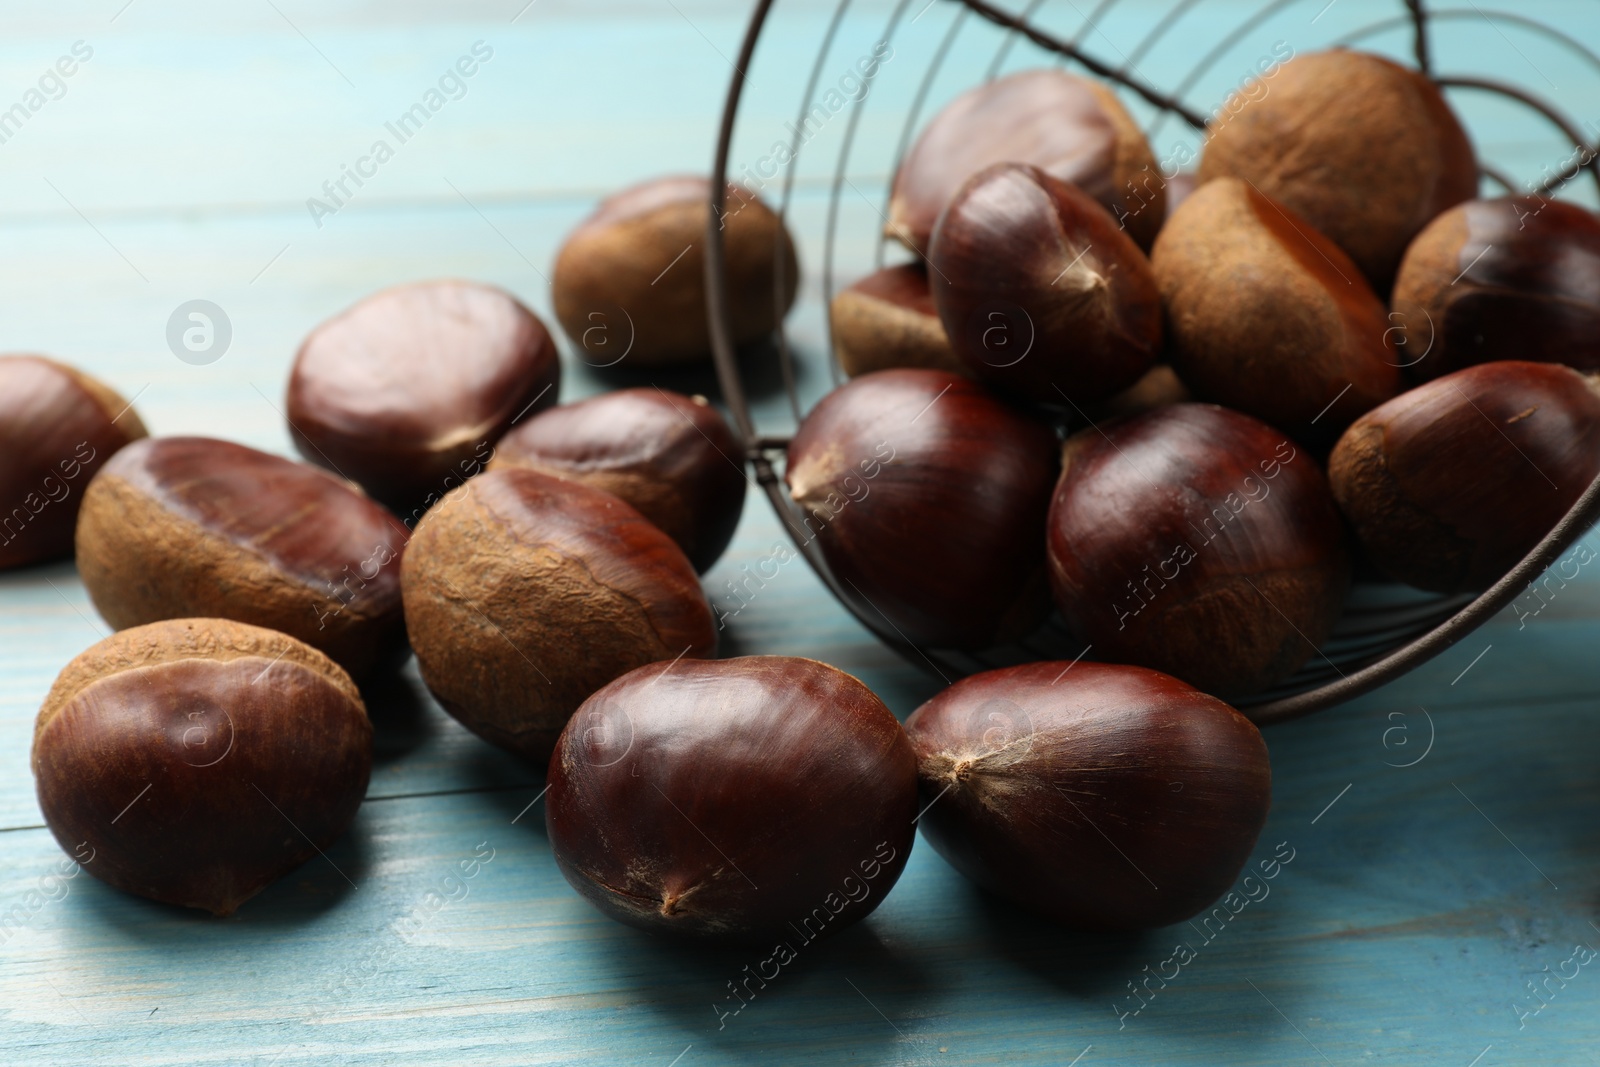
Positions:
(927, 496)
(761, 799)
(1096, 796)
(198, 760)
(1041, 295)
(57, 427)
(1448, 486)
(673, 457)
(1199, 542)
(1514, 278)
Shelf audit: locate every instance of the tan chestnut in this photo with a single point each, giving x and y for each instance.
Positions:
(1514, 278)
(1449, 485)
(886, 320)
(57, 427)
(629, 283)
(673, 457)
(1159, 388)
(525, 593)
(178, 527)
(1367, 151)
(1269, 317)
(1072, 128)
(195, 761)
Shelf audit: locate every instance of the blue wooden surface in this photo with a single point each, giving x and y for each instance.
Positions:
(1419, 903)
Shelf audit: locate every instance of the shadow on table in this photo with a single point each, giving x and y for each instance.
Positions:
(398, 706)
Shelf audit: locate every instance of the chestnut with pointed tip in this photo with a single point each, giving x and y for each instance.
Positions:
(1449, 485)
(629, 283)
(1040, 293)
(887, 320)
(199, 760)
(927, 496)
(1072, 128)
(406, 391)
(58, 426)
(1513, 278)
(1268, 317)
(181, 527)
(525, 593)
(1199, 542)
(1097, 796)
(764, 799)
(1366, 150)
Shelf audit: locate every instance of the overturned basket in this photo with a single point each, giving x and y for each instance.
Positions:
(1386, 629)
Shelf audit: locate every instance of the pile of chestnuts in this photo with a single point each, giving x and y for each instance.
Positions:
(1176, 414)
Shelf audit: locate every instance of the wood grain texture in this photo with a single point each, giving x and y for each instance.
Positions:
(177, 165)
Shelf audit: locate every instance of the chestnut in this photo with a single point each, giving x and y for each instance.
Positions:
(1199, 542)
(1514, 278)
(200, 759)
(1097, 796)
(1040, 293)
(629, 282)
(1072, 128)
(1159, 387)
(1267, 316)
(1364, 149)
(764, 799)
(927, 495)
(174, 527)
(525, 593)
(670, 456)
(886, 320)
(57, 426)
(407, 391)
(1449, 485)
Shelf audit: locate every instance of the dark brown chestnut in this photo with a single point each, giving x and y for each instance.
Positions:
(927, 496)
(1199, 542)
(1267, 316)
(1364, 149)
(629, 282)
(1159, 387)
(670, 456)
(1515, 278)
(1040, 293)
(180, 527)
(57, 427)
(525, 593)
(407, 391)
(1097, 796)
(887, 320)
(198, 760)
(1448, 486)
(1072, 128)
(764, 799)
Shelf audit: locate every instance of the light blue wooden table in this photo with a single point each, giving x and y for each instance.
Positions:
(1446, 850)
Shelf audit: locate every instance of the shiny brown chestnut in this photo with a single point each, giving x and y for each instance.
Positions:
(1514, 278)
(670, 456)
(1267, 316)
(180, 527)
(764, 799)
(525, 593)
(1199, 542)
(1072, 128)
(629, 282)
(927, 495)
(198, 760)
(407, 391)
(1367, 151)
(887, 320)
(1040, 293)
(57, 427)
(1098, 796)
(1448, 486)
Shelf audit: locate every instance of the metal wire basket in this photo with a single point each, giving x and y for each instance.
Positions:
(1386, 630)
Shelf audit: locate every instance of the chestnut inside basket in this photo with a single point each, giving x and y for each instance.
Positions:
(1386, 629)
